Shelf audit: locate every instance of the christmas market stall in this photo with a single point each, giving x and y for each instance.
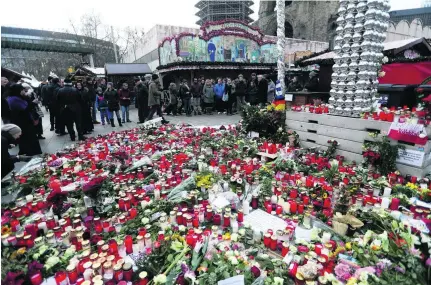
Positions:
(119, 73)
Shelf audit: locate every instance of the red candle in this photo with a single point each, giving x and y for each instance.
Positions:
(189, 240)
(180, 218)
(36, 279)
(254, 202)
(327, 203)
(293, 207)
(267, 240)
(395, 204)
(226, 221)
(196, 222)
(72, 274)
(268, 208)
(113, 247)
(279, 210)
(128, 243)
(61, 278)
(285, 249)
(240, 217)
(209, 214)
(301, 209)
(293, 194)
(273, 243)
(318, 249)
(133, 213)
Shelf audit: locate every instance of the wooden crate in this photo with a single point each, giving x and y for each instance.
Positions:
(316, 130)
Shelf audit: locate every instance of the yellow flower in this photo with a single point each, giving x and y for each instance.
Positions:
(349, 246)
(21, 251)
(226, 236)
(5, 230)
(375, 247)
(352, 281)
(325, 195)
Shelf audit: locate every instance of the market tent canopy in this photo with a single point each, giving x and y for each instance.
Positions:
(406, 73)
(12, 74)
(390, 48)
(98, 71)
(127, 68)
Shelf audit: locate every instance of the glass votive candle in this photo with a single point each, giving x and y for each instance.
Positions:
(61, 278)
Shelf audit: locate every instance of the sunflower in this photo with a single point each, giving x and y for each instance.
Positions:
(325, 195)
(6, 230)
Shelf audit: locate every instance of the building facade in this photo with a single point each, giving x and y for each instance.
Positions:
(424, 14)
(307, 20)
(210, 10)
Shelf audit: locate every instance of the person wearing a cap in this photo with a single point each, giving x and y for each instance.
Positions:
(154, 97)
(21, 115)
(10, 135)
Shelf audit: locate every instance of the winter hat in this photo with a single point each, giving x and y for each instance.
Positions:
(12, 129)
(154, 76)
(67, 82)
(99, 90)
(147, 76)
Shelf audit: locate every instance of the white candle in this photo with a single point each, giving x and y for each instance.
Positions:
(387, 192)
(245, 207)
(156, 194)
(286, 207)
(376, 192)
(88, 273)
(326, 237)
(385, 203)
(29, 198)
(274, 199)
(234, 225)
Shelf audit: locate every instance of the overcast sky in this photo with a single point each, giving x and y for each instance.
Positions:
(56, 15)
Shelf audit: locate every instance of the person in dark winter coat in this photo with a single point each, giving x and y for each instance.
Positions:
(294, 85)
(196, 90)
(5, 111)
(22, 115)
(142, 99)
(51, 102)
(208, 96)
(43, 94)
(32, 99)
(92, 99)
(113, 99)
(313, 84)
(102, 106)
(231, 96)
(252, 79)
(10, 135)
(186, 97)
(262, 89)
(125, 98)
(241, 91)
(70, 102)
(252, 94)
(154, 96)
(86, 105)
(173, 94)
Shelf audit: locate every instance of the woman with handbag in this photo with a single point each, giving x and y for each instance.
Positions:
(23, 115)
(32, 99)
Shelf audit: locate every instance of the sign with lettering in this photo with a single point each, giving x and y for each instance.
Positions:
(411, 157)
(412, 133)
(262, 221)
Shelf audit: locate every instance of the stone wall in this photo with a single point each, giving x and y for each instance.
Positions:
(309, 20)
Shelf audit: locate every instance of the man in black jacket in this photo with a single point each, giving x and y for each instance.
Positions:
(44, 94)
(92, 95)
(262, 89)
(142, 100)
(69, 103)
(51, 101)
(241, 90)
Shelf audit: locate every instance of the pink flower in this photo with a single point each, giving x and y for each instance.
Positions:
(342, 271)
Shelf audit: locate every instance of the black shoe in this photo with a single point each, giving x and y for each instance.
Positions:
(129, 121)
(189, 115)
(57, 131)
(82, 138)
(51, 129)
(112, 122)
(96, 122)
(119, 123)
(41, 137)
(62, 134)
(164, 122)
(72, 139)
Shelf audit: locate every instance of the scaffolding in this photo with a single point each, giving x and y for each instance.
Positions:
(210, 10)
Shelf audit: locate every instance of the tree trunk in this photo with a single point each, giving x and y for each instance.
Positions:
(281, 42)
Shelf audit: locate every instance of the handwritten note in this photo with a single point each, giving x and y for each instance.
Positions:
(236, 280)
(262, 221)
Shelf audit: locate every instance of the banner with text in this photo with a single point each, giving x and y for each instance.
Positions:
(412, 133)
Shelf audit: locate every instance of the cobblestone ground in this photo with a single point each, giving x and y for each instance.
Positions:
(53, 143)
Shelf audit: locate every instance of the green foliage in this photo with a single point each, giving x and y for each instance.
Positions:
(388, 154)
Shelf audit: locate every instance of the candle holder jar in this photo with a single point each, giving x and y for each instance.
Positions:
(61, 278)
(108, 272)
(118, 272)
(255, 201)
(127, 271)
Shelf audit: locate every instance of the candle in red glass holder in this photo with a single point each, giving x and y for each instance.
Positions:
(143, 280)
(61, 278)
(293, 207)
(306, 200)
(128, 243)
(300, 208)
(268, 208)
(240, 217)
(226, 220)
(189, 240)
(15, 225)
(113, 247)
(327, 203)
(217, 218)
(395, 204)
(72, 273)
(279, 210)
(209, 214)
(36, 279)
(254, 201)
(50, 223)
(293, 194)
(267, 240)
(133, 213)
(273, 245)
(285, 249)
(179, 218)
(127, 271)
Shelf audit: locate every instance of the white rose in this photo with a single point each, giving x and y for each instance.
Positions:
(160, 279)
(278, 281)
(241, 232)
(385, 59)
(234, 237)
(182, 228)
(233, 260)
(145, 221)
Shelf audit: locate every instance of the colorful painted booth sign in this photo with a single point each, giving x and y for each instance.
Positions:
(223, 41)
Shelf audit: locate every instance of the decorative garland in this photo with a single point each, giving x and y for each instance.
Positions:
(409, 60)
(188, 65)
(221, 22)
